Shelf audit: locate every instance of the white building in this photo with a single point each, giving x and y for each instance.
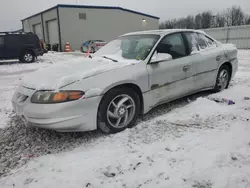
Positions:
(79, 23)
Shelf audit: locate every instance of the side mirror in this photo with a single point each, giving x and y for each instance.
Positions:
(160, 57)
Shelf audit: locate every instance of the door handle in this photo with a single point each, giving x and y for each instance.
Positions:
(186, 68)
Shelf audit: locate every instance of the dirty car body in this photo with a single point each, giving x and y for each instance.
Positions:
(155, 66)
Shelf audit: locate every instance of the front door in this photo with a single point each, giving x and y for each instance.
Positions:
(172, 78)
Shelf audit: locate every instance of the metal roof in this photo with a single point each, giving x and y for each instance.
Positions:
(92, 7)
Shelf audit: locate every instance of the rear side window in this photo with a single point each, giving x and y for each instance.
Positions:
(209, 42)
(204, 42)
(172, 44)
(199, 41)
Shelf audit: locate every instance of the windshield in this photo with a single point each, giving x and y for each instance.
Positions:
(132, 47)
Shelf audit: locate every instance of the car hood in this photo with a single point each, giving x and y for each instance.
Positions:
(62, 74)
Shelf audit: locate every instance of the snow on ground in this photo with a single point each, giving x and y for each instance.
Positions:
(11, 73)
(203, 144)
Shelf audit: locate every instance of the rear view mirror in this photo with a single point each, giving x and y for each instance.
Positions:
(160, 57)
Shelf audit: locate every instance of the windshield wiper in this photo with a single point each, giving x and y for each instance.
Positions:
(114, 60)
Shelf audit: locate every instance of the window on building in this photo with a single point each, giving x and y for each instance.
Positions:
(82, 16)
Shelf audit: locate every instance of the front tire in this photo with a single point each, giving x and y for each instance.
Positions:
(27, 57)
(119, 109)
(223, 79)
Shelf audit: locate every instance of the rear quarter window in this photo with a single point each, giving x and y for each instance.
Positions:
(30, 39)
(12, 40)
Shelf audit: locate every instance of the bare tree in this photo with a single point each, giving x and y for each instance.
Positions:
(247, 19)
(181, 23)
(190, 22)
(220, 20)
(234, 16)
(207, 19)
(162, 25)
(231, 17)
(198, 21)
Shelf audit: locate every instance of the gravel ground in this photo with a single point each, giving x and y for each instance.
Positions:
(19, 144)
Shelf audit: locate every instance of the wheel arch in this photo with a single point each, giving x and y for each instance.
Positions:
(129, 85)
(26, 50)
(229, 65)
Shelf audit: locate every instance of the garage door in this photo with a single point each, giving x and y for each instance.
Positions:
(53, 34)
(38, 31)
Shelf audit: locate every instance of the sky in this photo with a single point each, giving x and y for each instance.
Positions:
(12, 11)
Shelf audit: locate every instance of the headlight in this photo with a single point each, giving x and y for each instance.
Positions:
(49, 97)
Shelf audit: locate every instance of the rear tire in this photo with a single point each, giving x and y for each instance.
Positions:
(223, 79)
(27, 57)
(119, 109)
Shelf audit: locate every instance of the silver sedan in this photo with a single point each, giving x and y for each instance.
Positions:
(127, 77)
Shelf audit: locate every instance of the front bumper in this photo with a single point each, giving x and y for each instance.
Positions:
(79, 115)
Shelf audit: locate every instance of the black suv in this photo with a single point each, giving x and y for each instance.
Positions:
(23, 46)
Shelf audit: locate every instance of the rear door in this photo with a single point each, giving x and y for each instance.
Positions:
(207, 58)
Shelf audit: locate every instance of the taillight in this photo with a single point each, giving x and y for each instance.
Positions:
(41, 44)
(99, 44)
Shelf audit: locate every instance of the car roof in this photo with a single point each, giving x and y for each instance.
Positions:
(162, 32)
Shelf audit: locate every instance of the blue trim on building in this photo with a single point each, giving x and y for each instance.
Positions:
(93, 7)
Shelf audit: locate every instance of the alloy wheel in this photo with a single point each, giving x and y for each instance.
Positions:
(223, 79)
(121, 111)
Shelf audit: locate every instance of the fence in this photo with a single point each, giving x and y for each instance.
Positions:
(238, 35)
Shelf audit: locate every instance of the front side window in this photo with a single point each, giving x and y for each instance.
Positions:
(131, 47)
(172, 44)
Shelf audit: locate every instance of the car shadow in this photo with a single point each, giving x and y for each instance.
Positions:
(167, 107)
